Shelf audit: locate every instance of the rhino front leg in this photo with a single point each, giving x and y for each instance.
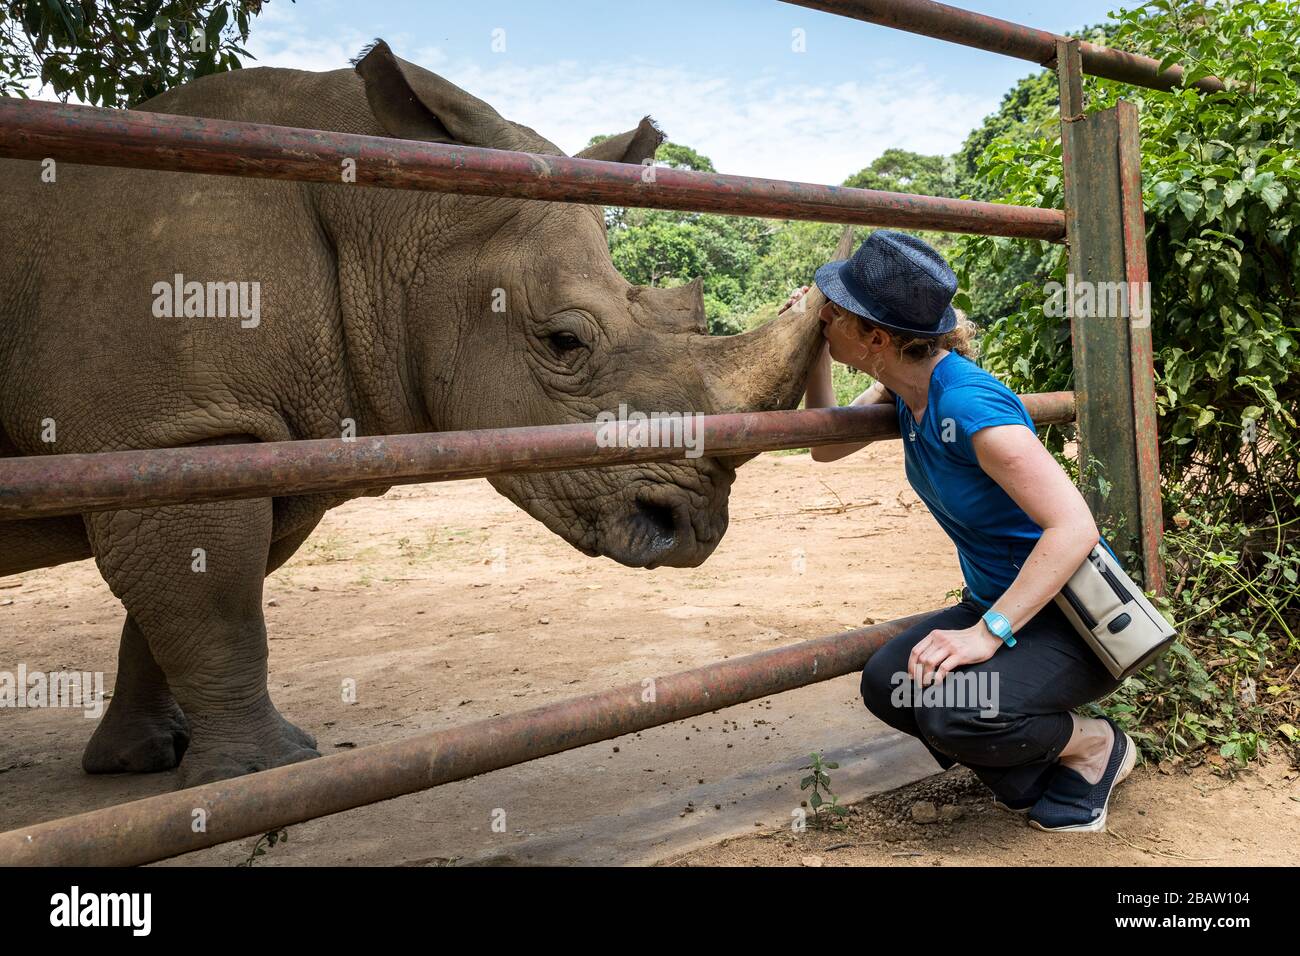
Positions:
(191, 578)
(144, 730)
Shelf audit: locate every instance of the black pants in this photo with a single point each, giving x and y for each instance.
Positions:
(1008, 718)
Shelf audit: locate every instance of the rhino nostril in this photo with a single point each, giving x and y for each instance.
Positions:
(658, 521)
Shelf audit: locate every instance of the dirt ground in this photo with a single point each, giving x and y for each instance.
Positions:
(443, 604)
(1181, 818)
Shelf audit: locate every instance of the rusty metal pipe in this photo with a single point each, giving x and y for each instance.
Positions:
(159, 827)
(971, 29)
(101, 137)
(46, 485)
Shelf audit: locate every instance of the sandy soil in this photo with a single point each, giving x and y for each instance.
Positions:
(444, 604)
(1181, 817)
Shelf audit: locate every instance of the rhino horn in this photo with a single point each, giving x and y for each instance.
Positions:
(767, 368)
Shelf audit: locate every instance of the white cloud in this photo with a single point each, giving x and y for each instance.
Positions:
(761, 126)
(758, 125)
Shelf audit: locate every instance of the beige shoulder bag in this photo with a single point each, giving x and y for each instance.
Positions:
(1112, 614)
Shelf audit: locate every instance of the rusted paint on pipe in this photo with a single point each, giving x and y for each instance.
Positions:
(100, 137)
(159, 827)
(1151, 521)
(971, 29)
(45, 485)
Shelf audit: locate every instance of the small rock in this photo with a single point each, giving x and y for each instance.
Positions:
(543, 620)
(810, 860)
(923, 811)
(273, 603)
(949, 812)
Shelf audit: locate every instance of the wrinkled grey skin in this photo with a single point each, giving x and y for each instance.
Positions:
(376, 307)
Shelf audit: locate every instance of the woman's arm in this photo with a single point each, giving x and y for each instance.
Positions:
(820, 394)
(1013, 456)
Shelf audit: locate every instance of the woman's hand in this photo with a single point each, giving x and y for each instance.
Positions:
(939, 652)
(803, 290)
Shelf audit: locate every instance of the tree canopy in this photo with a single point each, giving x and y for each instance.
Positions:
(122, 52)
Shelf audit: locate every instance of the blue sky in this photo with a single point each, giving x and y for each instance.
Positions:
(718, 75)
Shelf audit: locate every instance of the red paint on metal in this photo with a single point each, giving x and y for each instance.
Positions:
(955, 25)
(1133, 224)
(99, 137)
(45, 485)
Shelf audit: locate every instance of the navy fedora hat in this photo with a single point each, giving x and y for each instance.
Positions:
(896, 281)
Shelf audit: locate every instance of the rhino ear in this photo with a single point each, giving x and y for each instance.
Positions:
(412, 103)
(635, 146)
(679, 308)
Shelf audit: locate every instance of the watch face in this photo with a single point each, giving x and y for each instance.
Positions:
(998, 624)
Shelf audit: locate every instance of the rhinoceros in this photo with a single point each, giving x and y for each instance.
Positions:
(380, 310)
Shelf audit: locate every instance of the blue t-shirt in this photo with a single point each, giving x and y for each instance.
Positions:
(992, 533)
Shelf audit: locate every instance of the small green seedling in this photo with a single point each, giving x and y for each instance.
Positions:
(826, 809)
(270, 839)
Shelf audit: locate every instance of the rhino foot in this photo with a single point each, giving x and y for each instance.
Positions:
(282, 743)
(137, 741)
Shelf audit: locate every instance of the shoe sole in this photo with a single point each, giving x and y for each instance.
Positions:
(1002, 806)
(1099, 824)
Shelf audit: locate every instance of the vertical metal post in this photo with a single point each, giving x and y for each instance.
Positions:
(1114, 379)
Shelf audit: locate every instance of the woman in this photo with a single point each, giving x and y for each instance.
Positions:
(1021, 529)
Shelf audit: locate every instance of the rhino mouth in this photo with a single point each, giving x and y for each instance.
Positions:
(661, 529)
(652, 520)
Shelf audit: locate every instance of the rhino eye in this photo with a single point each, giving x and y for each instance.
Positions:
(564, 343)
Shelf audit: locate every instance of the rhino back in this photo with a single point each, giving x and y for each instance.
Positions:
(80, 259)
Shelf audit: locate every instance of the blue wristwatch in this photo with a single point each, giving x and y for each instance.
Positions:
(1000, 627)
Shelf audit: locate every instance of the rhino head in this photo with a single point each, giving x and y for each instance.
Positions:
(513, 314)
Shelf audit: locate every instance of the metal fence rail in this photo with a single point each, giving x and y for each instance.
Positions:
(967, 28)
(163, 826)
(100, 137)
(46, 485)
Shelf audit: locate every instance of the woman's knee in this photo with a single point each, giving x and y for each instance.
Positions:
(974, 737)
(879, 680)
(956, 731)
